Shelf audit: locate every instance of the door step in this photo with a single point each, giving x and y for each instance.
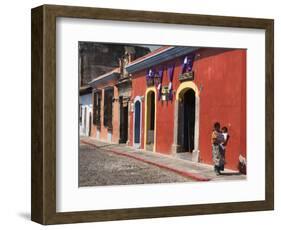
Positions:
(184, 156)
(149, 147)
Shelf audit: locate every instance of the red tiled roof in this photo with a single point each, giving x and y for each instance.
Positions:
(116, 70)
(159, 50)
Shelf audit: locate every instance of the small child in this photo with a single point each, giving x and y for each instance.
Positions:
(224, 133)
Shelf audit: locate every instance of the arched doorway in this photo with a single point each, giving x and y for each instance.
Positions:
(150, 128)
(187, 120)
(137, 122)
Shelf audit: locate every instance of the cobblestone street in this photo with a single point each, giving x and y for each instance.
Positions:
(98, 166)
(101, 163)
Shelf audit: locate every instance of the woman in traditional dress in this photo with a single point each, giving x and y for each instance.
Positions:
(217, 139)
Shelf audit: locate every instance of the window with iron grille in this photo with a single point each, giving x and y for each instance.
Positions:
(80, 114)
(107, 115)
(97, 108)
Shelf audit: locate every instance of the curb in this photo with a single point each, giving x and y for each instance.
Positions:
(180, 172)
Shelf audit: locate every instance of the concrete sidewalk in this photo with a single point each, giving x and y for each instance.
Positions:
(186, 168)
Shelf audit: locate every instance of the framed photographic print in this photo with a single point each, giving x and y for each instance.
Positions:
(139, 114)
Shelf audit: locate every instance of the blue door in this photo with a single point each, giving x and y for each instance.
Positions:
(137, 123)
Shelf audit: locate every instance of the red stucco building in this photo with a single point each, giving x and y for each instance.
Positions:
(178, 93)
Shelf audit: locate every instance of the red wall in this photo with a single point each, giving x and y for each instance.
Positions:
(222, 99)
(220, 75)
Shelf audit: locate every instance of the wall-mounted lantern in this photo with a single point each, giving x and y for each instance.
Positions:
(165, 93)
(187, 74)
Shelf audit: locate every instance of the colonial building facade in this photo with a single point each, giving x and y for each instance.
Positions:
(111, 100)
(168, 100)
(97, 61)
(178, 93)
